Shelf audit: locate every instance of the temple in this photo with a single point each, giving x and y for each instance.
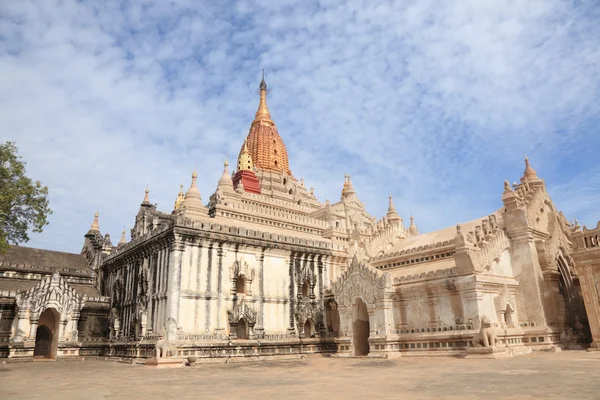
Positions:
(264, 269)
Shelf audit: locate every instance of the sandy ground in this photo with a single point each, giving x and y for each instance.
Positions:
(569, 374)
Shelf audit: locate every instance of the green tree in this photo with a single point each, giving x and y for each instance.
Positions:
(23, 203)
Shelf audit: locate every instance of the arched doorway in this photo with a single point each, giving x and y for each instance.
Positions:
(43, 342)
(360, 328)
(241, 329)
(46, 337)
(309, 330)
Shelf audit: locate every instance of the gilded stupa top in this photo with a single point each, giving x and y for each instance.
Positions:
(264, 145)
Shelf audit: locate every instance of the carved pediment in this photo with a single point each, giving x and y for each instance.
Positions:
(242, 310)
(361, 281)
(51, 292)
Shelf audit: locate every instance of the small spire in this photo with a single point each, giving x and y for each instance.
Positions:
(146, 197)
(392, 214)
(123, 238)
(225, 182)
(245, 160)
(192, 197)
(95, 226)
(412, 229)
(349, 186)
(180, 198)
(529, 172)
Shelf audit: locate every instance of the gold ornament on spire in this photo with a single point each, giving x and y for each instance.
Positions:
(262, 114)
(180, 197)
(345, 187)
(245, 159)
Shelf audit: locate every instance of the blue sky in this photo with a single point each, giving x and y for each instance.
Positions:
(432, 102)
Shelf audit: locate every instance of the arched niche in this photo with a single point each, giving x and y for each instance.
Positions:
(46, 339)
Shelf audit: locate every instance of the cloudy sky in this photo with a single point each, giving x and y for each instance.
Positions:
(434, 102)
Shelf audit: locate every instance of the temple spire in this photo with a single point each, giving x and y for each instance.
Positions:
(245, 160)
(529, 173)
(123, 238)
(180, 197)
(95, 226)
(392, 214)
(146, 201)
(262, 114)
(412, 229)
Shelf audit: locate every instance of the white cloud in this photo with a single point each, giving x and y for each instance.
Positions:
(431, 102)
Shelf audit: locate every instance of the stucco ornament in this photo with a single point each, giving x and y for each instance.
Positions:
(360, 281)
(242, 310)
(51, 292)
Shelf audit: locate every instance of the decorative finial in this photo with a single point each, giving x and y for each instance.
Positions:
(123, 237)
(529, 172)
(506, 185)
(263, 84)
(245, 160)
(262, 114)
(146, 198)
(180, 198)
(194, 176)
(95, 225)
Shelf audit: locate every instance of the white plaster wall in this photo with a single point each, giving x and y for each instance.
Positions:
(487, 307)
(276, 286)
(417, 312)
(446, 315)
(502, 266)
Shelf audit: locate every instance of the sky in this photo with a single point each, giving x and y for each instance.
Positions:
(433, 102)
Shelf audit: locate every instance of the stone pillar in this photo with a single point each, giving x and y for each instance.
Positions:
(220, 252)
(21, 325)
(174, 281)
(372, 323)
(294, 263)
(260, 320)
(62, 329)
(33, 325)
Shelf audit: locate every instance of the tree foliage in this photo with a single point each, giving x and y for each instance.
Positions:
(23, 203)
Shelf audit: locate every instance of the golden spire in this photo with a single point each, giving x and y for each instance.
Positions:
(244, 160)
(345, 184)
(95, 226)
(180, 197)
(262, 114)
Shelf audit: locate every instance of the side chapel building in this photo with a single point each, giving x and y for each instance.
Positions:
(263, 268)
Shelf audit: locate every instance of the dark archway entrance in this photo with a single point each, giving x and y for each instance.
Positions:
(46, 337)
(43, 342)
(241, 331)
(360, 328)
(575, 316)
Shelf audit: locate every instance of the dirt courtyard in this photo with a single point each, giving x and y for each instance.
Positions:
(569, 374)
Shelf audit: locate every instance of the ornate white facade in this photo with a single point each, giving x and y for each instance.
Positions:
(265, 269)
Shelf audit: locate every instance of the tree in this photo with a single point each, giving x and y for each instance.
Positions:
(23, 203)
